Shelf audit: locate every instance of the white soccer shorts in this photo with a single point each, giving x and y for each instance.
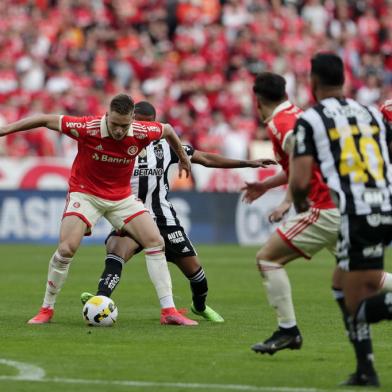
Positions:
(310, 231)
(90, 208)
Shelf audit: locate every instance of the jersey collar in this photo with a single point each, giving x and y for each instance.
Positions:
(105, 131)
(130, 130)
(104, 127)
(282, 106)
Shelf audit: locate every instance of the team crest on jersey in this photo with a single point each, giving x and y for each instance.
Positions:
(76, 204)
(74, 132)
(99, 147)
(188, 149)
(132, 150)
(158, 152)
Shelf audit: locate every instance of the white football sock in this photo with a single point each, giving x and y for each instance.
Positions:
(278, 289)
(386, 282)
(57, 274)
(160, 276)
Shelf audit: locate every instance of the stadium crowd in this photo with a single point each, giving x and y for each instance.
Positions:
(195, 60)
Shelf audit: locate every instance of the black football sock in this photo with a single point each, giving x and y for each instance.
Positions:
(199, 287)
(375, 309)
(361, 340)
(111, 275)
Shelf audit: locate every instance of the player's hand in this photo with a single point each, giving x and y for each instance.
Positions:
(279, 212)
(184, 165)
(262, 162)
(252, 191)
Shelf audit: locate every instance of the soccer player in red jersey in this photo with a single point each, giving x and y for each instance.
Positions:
(301, 235)
(99, 185)
(150, 183)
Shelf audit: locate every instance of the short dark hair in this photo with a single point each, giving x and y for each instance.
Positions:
(270, 87)
(145, 108)
(329, 68)
(122, 104)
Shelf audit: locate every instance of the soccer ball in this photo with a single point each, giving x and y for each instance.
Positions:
(100, 311)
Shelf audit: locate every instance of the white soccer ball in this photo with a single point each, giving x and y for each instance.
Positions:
(100, 311)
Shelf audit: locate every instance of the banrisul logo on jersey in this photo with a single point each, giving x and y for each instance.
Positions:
(108, 159)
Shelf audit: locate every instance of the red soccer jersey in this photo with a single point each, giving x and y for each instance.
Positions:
(280, 130)
(103, 166)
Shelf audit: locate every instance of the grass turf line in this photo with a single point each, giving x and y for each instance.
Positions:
(138, 348)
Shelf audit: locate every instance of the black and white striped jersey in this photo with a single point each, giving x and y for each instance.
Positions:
(350, 143)
(149, 180)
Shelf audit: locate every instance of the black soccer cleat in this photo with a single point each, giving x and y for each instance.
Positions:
(361, 380)
(279, 340)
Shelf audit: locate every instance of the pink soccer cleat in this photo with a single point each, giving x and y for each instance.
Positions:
(171, 316)
(44, 316)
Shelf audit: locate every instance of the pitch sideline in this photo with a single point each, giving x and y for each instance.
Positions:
(28, 372)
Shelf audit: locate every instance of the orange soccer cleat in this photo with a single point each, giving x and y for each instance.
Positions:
(44, 316)
(171, 316)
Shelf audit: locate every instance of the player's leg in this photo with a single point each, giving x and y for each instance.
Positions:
(271, 259)
(80, 215)
(360, 253)
(385, 285)
(179, 249)
(357, 286)
(194, 272)
(301, 235)
(71, 233)
(145, 231)
(120, 247)
(338, 295)
(131, 216)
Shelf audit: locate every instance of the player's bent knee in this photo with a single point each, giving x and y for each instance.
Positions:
(265, 266)
(154, 242)
(270, 256)
(119, 251)
(66, 250)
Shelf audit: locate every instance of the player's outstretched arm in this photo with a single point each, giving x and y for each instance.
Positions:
(51, 121)
(214, 160)
(175, 143)
(254, 190)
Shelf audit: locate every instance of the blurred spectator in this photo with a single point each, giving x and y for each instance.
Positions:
(193, 59)
(369, 93)
(315, 14)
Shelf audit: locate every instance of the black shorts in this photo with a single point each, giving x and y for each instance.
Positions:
(362, 239)
(177, 243)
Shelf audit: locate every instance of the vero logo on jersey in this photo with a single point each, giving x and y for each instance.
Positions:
(72, 124)
(153, 128)
(108, 159)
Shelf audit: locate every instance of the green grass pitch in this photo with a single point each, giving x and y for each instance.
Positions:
(139, 354)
